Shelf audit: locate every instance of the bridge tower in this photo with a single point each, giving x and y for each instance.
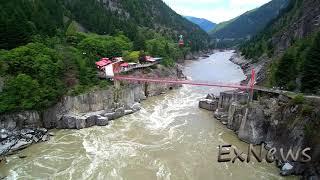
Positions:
(251, 84)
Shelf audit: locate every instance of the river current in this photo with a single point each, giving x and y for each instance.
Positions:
(170, 138)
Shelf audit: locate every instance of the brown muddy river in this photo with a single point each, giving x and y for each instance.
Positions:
(170, 138)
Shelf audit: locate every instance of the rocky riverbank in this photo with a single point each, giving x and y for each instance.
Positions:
(276, 120)
(246, 65)
(21, 129)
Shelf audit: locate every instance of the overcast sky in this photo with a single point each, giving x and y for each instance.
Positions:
(214, 10)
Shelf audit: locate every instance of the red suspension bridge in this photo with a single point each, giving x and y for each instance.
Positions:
(251, 85)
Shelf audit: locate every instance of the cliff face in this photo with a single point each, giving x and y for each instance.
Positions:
(113, 102)
(304, 21)
(21, 129)
(277, 121)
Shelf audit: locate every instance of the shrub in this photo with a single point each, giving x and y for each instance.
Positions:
(299, 99)
(131, 56)
(307, 109)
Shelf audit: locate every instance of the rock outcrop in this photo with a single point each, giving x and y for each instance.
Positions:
(77, 112)
(210, 103)
(277, 121)
(15, 140)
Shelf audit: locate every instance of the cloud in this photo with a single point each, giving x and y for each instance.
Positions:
(214, 10)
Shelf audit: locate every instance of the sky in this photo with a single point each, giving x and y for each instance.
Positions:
(214, 10)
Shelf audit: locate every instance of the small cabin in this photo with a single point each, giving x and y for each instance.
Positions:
(103, 63)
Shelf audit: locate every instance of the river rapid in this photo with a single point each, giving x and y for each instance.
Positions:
(170, 138)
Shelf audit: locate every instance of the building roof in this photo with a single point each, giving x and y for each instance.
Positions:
(150, 59)
(103, 62)
(124, 64)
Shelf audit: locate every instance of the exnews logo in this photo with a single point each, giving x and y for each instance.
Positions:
(229, 153)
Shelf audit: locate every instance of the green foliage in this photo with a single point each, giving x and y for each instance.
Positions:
(131, 56)
(288, 70)
(263, 42)
(152, 14)
(307, 109)
(48, 58)
(38, 62)
(298, 99)
(72, 29)
(168, 62)
(21, 19)
(285, 74)
(21, 92)
(311, 69)
(105, 46)
(164, 48)
(297, 69)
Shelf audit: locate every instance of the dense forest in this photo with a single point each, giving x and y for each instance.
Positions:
(295, 66)
(48, 48)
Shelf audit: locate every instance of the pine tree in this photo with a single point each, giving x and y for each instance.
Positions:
(286, 71)
(311, 70)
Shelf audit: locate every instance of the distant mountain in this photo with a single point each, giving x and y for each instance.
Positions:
(203, 23)
(249, 23)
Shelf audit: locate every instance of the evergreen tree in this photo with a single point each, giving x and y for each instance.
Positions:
(311, 70)
(285, 74)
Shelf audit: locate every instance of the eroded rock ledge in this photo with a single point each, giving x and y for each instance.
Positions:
(83, 111)
(275, 120)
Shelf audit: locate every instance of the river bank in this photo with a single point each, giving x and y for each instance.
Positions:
(273, 119)
(22, 129)
(169, 138)
(91, 109)
(260, 67)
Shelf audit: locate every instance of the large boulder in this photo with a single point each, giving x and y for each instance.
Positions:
(91, 120)
(67, 122)
(110, 115)
(21, 144)
(80, 122)
(208, 104)
(102, 121)
(119, 112)
(129, 111)
(136, 107)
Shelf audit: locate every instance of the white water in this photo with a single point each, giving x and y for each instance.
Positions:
(170, 138)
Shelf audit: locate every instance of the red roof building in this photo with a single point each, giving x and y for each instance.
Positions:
(124, 64)
(102, 63)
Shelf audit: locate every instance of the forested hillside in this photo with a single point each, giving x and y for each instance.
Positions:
(24, 18)
(249, 23)
(292, 43)
(48, 48)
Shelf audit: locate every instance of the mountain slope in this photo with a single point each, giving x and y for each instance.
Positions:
(26, 18)
(249, 23)
(289, 51)
(287, 41)
(203, 23)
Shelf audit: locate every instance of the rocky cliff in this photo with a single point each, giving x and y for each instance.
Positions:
(86, 110)
(302, 21)
(277, 121)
